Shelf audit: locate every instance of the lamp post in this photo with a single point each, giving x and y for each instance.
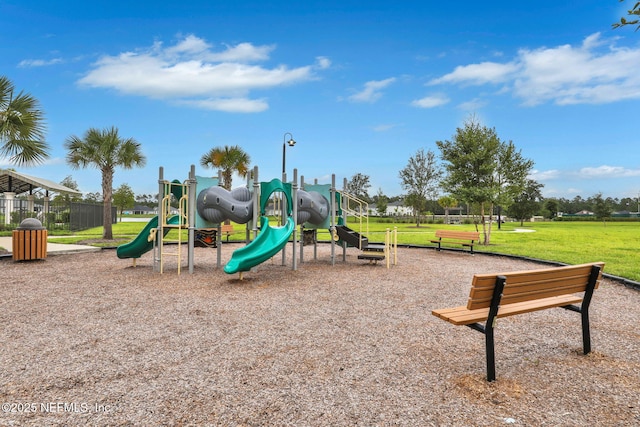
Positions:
(291, 143)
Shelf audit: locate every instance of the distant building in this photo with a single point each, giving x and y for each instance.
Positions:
(139, 210)
(396, 208)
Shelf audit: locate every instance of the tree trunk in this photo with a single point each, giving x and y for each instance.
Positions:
(107, 194)
(485, 238)
(488, 235)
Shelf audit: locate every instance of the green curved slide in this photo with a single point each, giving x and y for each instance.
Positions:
(268, 243)
(141, 244)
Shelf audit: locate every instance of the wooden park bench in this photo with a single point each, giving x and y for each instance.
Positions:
(464, 238)
(226, 230)
(494, 296)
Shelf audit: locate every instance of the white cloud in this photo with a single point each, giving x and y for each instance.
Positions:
(29, 63)
(430, 101)
(5, 162)
(544, 175)
(231, 105)
(323, 62)
(478, 74)
(192, 73)
(473, 105)
(592, 73)
(371, 91)
(383, 128)
(606, 171)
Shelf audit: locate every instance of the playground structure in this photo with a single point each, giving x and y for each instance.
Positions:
(203, 207)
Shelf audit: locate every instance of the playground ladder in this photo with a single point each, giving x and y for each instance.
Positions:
(182, 223)
(359, 209)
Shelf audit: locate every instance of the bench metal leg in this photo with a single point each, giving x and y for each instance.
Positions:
(584, 308)
(586, 332)
(488, 329)
(491, 356)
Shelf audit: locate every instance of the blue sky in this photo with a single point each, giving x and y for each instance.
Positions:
(361, 85)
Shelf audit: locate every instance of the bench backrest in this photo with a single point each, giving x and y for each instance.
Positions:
(531, 285)
(462, 235)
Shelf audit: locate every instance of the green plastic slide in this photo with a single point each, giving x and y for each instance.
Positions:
(268, 243)
(141, 244)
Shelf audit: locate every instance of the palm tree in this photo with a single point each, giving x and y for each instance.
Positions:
(22, 127)
(447, 202)
(230, 160)
(105, 150)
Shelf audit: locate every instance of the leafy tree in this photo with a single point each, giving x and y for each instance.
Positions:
(527, 203)
(421, 178)
(471, 161)
(124, 198)
(105, 150)
(601, 208)
(510, 176)
(94, 197)
(68, 182)
(579, 204)
(634, 14)
(149, 200)
(359, 186)
(22, 127)
(482, 170)
(418, 204)
(382, 202)
(629, 204)
(551, 206)
(230, 160)
(447, 202)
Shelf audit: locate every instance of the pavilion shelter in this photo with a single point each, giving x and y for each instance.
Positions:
(14, 184)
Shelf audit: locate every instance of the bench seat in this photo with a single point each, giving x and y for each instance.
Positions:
(463, 316)
(493, 296)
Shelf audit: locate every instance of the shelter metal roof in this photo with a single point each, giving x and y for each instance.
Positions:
(15, 182)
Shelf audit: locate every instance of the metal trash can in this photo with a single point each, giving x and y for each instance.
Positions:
(29, 241)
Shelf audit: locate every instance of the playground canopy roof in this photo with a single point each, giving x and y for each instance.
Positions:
(14, 182)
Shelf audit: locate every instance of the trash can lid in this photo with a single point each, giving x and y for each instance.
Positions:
(30, 224)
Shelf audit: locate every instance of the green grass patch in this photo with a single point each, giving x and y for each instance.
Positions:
(615, 243)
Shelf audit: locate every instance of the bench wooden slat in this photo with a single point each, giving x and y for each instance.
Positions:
(463, 235)
(526, 285)
(463, 316)
(226, 230)
(464, 238)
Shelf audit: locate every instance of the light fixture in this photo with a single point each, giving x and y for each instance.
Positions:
(291, 143)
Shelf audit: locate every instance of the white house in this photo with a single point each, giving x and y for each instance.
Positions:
(393, 209)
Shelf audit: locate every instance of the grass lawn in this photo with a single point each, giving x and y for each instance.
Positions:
(615, 243)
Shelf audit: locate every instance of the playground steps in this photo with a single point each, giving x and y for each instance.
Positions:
(353, 238)
(373, 252)
(370, 251)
